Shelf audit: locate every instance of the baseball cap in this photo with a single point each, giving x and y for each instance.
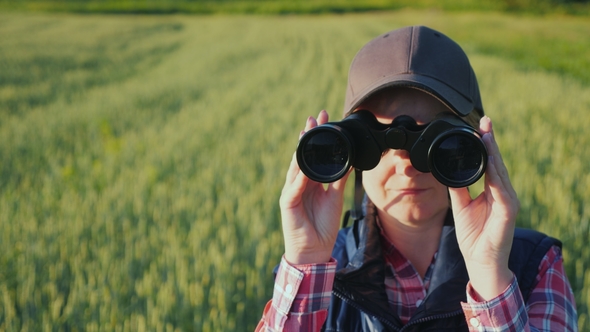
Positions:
(416, 57)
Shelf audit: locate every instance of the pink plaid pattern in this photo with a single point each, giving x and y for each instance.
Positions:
(301, 297)
(404, 286)
(551, 306)
(303, 305)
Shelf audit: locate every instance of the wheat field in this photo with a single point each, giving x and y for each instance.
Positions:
(142, 157)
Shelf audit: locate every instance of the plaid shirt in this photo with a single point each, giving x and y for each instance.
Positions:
(404, 287)
(302, 296)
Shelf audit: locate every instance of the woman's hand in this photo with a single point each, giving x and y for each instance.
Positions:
(310, 212)
(485, 225)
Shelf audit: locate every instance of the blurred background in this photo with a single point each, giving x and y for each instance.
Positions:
(143, 144)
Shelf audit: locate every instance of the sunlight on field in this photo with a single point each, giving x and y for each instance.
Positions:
(142, 157)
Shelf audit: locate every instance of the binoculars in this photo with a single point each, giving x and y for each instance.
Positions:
(448, 147)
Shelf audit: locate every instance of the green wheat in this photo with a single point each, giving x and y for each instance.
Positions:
(142, 157)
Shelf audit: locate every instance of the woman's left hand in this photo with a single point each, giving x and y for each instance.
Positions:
(485, 225)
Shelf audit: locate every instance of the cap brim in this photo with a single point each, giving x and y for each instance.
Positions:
(455, 101)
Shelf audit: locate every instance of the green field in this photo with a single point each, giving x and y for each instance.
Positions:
(570, 7)
(142, 157)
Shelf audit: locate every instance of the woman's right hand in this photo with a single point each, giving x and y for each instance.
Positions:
(310, 212)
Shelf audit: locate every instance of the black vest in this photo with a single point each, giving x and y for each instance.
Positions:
(359, 301)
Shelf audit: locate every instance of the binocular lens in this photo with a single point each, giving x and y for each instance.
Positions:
(458, 159)
(325, 153)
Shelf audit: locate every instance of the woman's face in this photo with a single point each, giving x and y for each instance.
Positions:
(395, 186)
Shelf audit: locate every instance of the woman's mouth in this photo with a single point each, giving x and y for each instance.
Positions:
(411, 191)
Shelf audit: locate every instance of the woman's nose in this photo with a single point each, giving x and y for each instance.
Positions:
(401, 162)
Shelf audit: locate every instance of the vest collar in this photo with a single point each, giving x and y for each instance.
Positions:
(361, 281)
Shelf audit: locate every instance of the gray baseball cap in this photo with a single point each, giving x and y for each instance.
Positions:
(416, 57)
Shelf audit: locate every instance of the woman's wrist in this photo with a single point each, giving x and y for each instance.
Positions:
(300, 258)
(488, 283)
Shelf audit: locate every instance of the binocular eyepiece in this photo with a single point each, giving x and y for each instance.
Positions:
(448, 147)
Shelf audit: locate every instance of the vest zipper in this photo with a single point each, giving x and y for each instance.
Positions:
(429, 318)
(389, 323)
(358, 307)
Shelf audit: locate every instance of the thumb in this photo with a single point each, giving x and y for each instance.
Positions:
(460, 198)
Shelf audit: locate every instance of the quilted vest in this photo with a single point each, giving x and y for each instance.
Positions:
(359, 301)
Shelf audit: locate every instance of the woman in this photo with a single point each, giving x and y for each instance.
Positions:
(415, 262)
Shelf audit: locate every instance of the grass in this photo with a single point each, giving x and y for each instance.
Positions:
(141, 157)
(536, 7)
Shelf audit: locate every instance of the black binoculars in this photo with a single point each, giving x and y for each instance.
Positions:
(448, 147)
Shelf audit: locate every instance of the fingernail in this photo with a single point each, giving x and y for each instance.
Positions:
(489, 121)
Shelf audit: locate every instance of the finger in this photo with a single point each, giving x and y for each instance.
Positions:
(496, 170)
(313, 122)
(460, 199)
(310, 123)
(497, 194)
(489, 139)
(323, 117)
(485, 125)
(493, 182)
(487, 131)
(340, 184)
(295, 184)
(293, 170)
